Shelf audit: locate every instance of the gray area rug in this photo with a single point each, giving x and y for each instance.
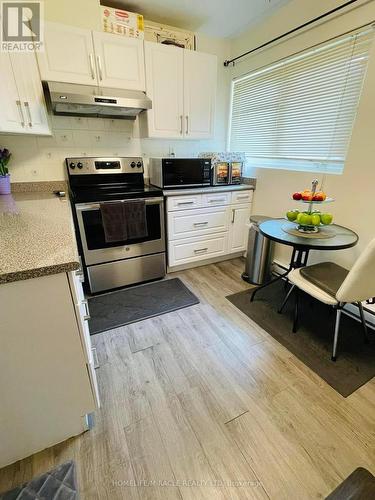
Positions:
(57, 484)
(130, 305)
(312, 343)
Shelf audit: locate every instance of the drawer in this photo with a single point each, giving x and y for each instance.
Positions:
(76, 280)
(197, 222)
(242, 196)
(213, 199)
(183, 202)
(196, 249)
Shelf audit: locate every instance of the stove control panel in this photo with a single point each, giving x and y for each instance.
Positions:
(91, 165)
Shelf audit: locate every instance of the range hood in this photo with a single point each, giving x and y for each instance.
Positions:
(86, 100)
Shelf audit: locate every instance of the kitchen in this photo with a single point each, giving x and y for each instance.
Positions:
(172, 371)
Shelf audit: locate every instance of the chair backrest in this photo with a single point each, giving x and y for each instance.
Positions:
(360, 282)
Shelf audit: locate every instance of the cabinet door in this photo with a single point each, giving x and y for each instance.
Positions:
(68, 55)
(11, 118)
(164, 84)
(200, 79)
(120, 61)
(31, 93)
(238, 228)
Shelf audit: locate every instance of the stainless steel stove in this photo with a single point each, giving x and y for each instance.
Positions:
(107, 265)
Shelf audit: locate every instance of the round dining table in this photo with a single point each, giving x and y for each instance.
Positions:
(332, 237)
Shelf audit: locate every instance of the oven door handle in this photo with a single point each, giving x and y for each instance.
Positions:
(95, 206)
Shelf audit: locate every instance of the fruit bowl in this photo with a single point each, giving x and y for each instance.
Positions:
(309, 221)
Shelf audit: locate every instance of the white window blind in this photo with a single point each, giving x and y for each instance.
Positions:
(298, 114)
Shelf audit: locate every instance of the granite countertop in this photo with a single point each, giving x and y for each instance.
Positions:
(36, 236)
(211, 189)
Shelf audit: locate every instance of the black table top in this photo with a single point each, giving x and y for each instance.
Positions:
(344, 238)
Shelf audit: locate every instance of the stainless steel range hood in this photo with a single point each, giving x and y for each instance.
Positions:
(85, 100)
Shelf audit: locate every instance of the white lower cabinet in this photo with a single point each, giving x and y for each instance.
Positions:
(47, 377)
(196, 249)
(208, 226)
(239, 230)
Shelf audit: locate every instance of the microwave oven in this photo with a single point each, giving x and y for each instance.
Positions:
(226, 172)
(172, 173)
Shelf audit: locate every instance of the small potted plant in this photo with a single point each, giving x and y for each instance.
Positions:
(4, 174)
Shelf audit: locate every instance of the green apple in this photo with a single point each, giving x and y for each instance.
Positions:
(305, 220)
(315, 219)
(326, 219)
(299, 216)
(292, 215)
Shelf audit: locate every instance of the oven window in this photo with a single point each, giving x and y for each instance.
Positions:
(92, 221)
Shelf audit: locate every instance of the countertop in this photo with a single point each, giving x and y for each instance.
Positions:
(36, 236)
(212, 189)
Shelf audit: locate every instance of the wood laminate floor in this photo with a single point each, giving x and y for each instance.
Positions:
(203, 404)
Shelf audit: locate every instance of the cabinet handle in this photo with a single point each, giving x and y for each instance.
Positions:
(216, 200)
(181, 118)
(91, 57)
(241, 196)
(187, 124)
(87, 316)
(185, 202)
(100, 68)
(19, 105)
(27, 106)
(200, 223)
(233, 215)
(200, 250)
(95, 358)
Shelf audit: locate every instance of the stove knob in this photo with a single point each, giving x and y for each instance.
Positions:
(79, 165)
(139, 164)
(132, 164)
(72, 165)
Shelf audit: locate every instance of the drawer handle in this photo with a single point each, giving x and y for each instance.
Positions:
(87, 316)
(185, 202)
(240, 196)
(200, 223)
(200, 250)
(216, 200)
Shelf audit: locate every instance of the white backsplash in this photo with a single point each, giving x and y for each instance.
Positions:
(36, 158)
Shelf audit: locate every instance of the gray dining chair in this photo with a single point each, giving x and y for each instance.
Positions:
(336, 286)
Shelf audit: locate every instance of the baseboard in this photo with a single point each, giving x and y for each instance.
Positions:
(205, 262)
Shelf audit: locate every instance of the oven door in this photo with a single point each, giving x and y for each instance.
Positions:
(95, 248)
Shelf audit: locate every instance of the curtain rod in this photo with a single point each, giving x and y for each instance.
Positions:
(232, 61)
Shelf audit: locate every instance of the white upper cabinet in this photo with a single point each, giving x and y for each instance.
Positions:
(11, 119)
(182, 86)
(31, 93)
(68, 55)
(120, 61)
(164, 85)
(76, 55)
(23, 109)
(200, 76)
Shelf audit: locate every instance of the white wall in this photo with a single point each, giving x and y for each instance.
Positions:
(42, 158)
(353, 190)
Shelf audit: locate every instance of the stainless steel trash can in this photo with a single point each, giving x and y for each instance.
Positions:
(259, 254)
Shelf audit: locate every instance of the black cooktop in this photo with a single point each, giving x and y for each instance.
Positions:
(107, 192)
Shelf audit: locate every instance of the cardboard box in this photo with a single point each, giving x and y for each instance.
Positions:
(162, 33)
(122, 22)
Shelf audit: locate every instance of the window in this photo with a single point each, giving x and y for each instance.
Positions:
(298, 114)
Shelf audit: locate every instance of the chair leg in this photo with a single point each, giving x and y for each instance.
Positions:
(337, 328)
(295, 322)
(362, 314)
(286, 299)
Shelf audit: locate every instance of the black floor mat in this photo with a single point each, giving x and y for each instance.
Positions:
(135, 304)
(312, 343)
